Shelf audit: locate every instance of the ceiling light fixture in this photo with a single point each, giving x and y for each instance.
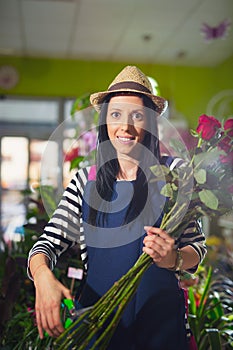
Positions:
(147, 37)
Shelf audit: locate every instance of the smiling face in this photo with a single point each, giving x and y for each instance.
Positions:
(126, 123)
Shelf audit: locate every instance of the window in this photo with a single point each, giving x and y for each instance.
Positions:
(27, 158)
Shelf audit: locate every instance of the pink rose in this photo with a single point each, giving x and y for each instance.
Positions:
(207, 126)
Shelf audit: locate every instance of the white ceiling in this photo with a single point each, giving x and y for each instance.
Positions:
(113, 30)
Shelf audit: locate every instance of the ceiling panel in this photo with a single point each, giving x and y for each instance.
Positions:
(156, 31)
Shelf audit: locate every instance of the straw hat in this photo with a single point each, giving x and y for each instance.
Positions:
(130, 79)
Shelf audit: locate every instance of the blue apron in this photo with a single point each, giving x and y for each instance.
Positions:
(154, 318)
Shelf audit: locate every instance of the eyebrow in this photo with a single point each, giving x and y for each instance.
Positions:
(114, 108)
(140, 109)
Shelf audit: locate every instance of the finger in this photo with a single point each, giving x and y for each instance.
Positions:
(39, 325)
(57, 324)
(154, 249)
(153, 254)
(44, 324)
(155, 231)
(155, 242)
(67, 294)
(52, 322)
(161, 247)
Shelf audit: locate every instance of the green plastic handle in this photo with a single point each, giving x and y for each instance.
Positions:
(69, 303)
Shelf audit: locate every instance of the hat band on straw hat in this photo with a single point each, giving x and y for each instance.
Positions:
(129, 85)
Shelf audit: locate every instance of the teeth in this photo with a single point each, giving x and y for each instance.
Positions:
(125, 138)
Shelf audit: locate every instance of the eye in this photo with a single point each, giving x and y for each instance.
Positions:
(137, 116)
(115, 115)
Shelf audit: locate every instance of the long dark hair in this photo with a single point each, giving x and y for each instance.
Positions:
(108, 166)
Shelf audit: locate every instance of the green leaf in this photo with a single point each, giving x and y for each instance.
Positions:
(174, 187)
(80, 103)
(49, 198)
(160, 171)
(205, 293)
(194, 133)
(192, 300)
(178, 146)
(209, 199)
(175, 174)
(200, 176)
(216, 311)
(75, 162)
(167, 190)
(214, 338)
(205, 158)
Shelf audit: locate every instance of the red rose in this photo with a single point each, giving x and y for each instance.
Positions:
(229, 127)
(227, 148)
(226, 143)
(207, 126)
(230, 189)
(228, 158)
(72, 154)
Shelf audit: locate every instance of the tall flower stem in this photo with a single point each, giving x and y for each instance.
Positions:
(88, 325)
(106, 336)
(99, 323)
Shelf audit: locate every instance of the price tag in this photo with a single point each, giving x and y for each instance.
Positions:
(75, 273)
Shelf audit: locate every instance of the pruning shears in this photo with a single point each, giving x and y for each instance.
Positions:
(69, 313)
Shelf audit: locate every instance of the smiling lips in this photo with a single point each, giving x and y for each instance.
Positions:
(125, 140)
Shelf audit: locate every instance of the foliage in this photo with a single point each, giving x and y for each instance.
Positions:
(17, 295)
(211, 311)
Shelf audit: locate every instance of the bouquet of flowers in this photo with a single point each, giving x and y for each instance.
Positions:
(202, 186)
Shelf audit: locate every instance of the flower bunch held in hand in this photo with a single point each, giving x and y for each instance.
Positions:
(201, 186)
(213, 165)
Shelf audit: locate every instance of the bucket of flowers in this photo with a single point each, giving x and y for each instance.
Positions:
(201, 187)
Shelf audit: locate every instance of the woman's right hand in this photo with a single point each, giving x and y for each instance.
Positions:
(49, 293)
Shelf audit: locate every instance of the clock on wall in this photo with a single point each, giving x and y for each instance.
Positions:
(9, 77)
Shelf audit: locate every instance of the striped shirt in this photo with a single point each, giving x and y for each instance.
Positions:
(65, 228)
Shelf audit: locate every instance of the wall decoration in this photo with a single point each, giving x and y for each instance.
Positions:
(9, 77)
(219, 32)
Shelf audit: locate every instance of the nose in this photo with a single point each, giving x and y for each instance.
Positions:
(125, 123)
(124, 126)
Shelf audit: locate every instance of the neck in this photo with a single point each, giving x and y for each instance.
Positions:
(128, 169)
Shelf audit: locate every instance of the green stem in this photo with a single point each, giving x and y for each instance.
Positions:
(98, 315)
(115, 300)
(198, 146)
(64, 338)
(125, 299)
(113, 292)
(169, 219)
(136, 271)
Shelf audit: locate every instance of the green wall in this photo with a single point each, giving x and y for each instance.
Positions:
(188, 88)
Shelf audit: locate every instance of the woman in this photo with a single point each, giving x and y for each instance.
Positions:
(114, 216)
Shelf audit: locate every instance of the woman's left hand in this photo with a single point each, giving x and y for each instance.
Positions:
(160, 246)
